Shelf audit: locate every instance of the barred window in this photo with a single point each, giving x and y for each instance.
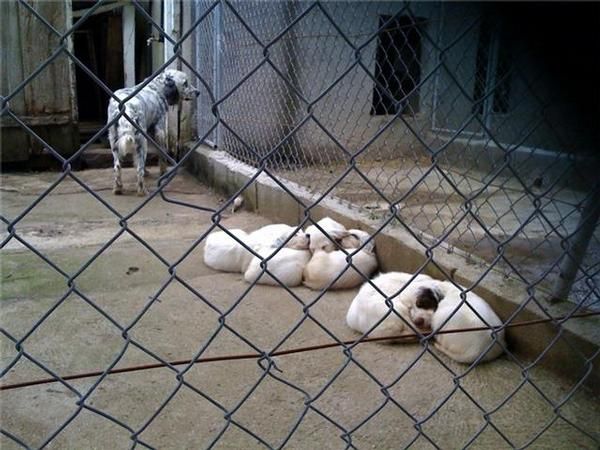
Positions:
(491, 90)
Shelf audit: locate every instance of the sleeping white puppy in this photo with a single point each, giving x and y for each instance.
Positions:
(287, 263)
(271, 235)
(368, 307)
(465, 347)
(222, 252)
(325, 266)
(286, 266)
(427, 303)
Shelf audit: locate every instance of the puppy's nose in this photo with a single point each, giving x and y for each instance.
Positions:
(308, 236)
(196, 92)
(419, 322)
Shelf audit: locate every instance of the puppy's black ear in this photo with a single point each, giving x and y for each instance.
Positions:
(170, 91)
(428, 298)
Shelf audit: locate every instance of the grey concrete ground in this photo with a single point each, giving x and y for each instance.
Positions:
(70, 226)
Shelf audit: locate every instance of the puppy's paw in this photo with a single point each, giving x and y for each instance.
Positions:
(142, 192)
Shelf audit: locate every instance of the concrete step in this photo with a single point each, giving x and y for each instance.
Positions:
(99, 156)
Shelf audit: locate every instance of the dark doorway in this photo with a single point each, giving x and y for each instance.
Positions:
(397, 66)
(98, 44)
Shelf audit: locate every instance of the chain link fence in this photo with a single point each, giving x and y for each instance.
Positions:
(395, 88)
(444, 119)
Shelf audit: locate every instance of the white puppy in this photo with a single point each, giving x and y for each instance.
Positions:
(465, 347)
(286, 266)
(325, 266)
(368, 307)
(222, 252)
(427, 304)
(272, 235)
(287, 263)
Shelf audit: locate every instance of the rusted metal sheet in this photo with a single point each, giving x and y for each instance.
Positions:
(47, 102)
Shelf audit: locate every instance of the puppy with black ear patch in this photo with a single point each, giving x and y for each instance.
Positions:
(427, 304)
(369, 307)
(147, 111)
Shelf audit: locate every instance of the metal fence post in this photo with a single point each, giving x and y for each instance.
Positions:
(217, 49)
(577, 246)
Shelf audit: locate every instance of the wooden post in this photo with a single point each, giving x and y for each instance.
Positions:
(187, 125)
(171, 18)
(157, 45)
(129, 45)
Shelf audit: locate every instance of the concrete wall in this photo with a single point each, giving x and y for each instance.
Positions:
(313, 54)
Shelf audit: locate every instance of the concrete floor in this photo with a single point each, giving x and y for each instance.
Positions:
(69, 227)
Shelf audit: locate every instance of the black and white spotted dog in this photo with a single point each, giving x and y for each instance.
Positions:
(148, 110)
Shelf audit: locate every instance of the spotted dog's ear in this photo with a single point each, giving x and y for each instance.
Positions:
(428, 298)
(170, 91)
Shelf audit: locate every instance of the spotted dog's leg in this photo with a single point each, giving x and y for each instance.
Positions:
(160, 138)
(141, 150)
(117, 182)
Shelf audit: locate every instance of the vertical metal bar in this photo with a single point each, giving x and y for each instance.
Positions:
(197, 62)
(217, 48)
(172, 27)
(168, 27)
(436, 83)
(71, 65)
(578, 244)
(157, 45)
(490, 76)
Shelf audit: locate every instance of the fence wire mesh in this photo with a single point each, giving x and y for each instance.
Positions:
(429, 117)
(466, 98)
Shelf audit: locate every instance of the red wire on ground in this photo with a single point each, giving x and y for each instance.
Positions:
(6, 387)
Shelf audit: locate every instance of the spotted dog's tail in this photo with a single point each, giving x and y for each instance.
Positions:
(126, 142)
